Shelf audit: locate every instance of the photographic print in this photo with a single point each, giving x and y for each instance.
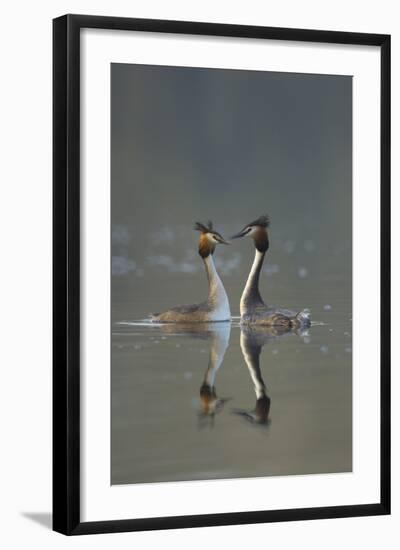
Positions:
(231, 298)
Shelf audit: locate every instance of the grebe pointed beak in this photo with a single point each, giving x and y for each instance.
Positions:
(221, 240)
(241, 233)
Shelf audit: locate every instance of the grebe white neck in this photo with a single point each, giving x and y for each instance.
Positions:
(251, 297)
(217, 297)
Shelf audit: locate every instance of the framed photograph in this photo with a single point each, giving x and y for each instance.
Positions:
(221, 274)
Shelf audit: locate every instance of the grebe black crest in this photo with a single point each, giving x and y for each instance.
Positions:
(253, 310)
(216, 307)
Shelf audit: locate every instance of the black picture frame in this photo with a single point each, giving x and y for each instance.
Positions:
(66, 273)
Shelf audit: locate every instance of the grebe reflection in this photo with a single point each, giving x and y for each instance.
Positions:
(252, 340)
(218, 334)
(211, 404)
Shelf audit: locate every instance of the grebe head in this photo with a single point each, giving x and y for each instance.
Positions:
(257, 230)
(209, 238)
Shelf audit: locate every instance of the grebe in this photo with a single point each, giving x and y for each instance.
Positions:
(216, 307)
(252, 308)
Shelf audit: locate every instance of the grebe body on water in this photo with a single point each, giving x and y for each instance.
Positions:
(253, 310)
(216, 306)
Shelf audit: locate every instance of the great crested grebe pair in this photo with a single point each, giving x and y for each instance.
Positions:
(253, 310)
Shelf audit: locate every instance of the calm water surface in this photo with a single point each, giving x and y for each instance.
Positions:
(216, 401)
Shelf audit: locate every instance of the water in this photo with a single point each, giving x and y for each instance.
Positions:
(189, 402)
